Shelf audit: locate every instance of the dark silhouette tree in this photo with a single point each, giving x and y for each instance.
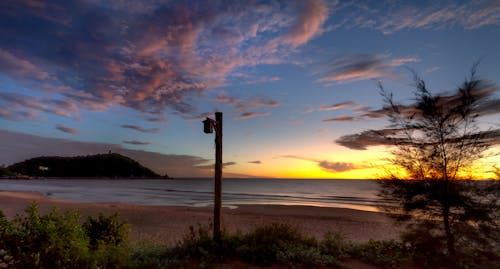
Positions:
(438, 148)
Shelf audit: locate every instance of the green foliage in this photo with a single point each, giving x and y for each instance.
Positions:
(108, 237)
(198, 243)
(261, 246)
(389, 254)
(310, 256)
(335, 245)
(56, 240)
(154, 256)
(266, 245)
(101, 165)
(104, 231)
(46, 241)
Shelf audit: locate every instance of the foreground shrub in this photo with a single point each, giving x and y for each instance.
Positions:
(388, 254)
(58, 240)
(46, 241)
(108, 240)
(105, 230)
(262, 246)
(199, 244)
(335, 245)
(155, 256)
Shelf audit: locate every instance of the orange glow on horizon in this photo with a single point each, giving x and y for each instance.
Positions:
(366, 167)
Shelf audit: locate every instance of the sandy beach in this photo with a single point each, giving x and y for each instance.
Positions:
(169, 223)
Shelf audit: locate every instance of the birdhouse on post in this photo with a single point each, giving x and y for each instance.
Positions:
(208, 126)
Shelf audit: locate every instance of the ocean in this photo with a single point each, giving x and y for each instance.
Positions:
(354, 194)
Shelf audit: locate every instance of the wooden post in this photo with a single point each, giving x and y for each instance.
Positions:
(218, 176)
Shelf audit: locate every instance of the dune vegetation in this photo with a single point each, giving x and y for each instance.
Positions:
(65, 240)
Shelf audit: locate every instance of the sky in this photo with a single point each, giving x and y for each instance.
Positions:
(292, 78)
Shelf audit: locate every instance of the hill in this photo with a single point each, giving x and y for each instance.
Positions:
(110, 165)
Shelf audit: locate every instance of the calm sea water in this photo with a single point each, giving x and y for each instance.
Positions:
(354, 194)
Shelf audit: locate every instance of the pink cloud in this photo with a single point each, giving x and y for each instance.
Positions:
(30, 105)
(243, 104)
(309, 24)
(336, 106)
(361, 67)
(20, 69)
(398, 16)
(154, 57)
(249, 115)
(141, 129)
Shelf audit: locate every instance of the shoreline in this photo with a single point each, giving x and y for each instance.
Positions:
(168, 224)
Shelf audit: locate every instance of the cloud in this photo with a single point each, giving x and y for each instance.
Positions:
(340, 119)
(135, 142)
(261, 80)
(243, 104)
(140, 129)
(212, 166)
(66, 129)
(336, 106)
(336, 166)
(432, 69)
(490, 107)
(201, 116)
(249, 115)
(249, 79)
(361, 67)
(153, 57)
(255, 162)
(25, 106)
(16, 147)
(228, 164)
(361, 112)
(481, 90)
(374, 114)
(365, 139)
(157, 119)
(393, 16)
(308, 24)
(389, 137)
(18, 68)
(16, 115)
(327, 165)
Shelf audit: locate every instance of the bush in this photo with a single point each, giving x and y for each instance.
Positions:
(48, 241)
(58, 240)
(261, 246)
(388, 254)
(154, 256)
(199, 244)
(334, 245)
(106, 230)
